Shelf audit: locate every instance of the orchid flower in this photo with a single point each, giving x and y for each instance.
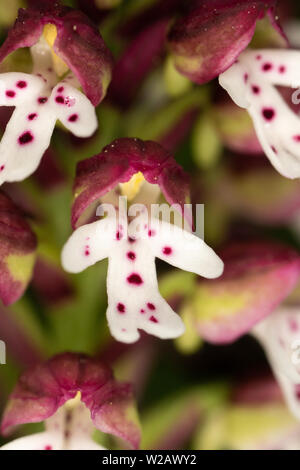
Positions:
(73, 394)
(209, 38)
(60, 40)
(17, 251)
(251, 83)
(134, 301)
(279, 335)
(250, 76)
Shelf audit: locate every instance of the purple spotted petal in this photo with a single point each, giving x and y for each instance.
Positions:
(42, 389)
(17, 251)
(208, 40)
(78, 44)
(118, 162)
(253, 85)
(257, 278)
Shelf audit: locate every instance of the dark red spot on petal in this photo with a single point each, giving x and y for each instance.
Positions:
(255, 89)
(258, 57)
(25, 138)
(70, 101)
(2, 167)
(142, 310)
(268, 113)
(282, 69)
(135, 279)
(153, 319)
(131, 255)
(48, 447)
(167, 250)
(119, 235)
(60, 99)
(151, 233)
(21, 84)
(150, 306)
(274, 149)
(42, 100)
(60, 89)
(73, 118)
(296, 138)
(32, 116)
(10, 93)
(267, 67)
(131, 240)
(121, 308)
(246, 76)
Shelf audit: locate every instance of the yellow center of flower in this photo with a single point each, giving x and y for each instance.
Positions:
(74, 402)
(133, 186)
(50, 33)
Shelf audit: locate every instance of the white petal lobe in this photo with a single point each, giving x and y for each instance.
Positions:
(28, 133)
(252, 83)
(279, 335)
(134, 301)
(39, 441)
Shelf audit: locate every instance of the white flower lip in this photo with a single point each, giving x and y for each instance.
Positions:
(134, 301)
(251, 82)
(38, 105)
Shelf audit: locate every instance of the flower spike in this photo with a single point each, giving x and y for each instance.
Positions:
(251, 82)
(133, 296)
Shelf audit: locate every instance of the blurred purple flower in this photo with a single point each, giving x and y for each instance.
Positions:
(73, 394)
(17, 251)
